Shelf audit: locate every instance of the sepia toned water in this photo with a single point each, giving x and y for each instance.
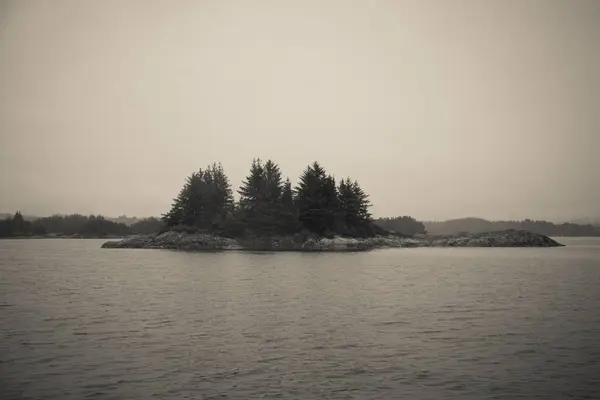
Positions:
(80, 322)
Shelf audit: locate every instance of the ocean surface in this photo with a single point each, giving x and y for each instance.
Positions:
(80, 322)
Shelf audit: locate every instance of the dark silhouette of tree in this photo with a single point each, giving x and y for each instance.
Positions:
(204, 201)
(402, 225)
(312, 199)
(269, 206)
(98, 226)
(6, 227)
(253, 197)
(262, 208)
(273, 182)
(20, 227)
(354, 216)
(147, 226)
(58, 225)
(479, 225)
(289, 217)
(253, 188)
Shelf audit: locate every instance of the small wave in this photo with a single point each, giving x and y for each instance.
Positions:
(389, 323)
(524, 352)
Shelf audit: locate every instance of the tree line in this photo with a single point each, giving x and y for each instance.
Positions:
(268, 205)
(74, 225)
(479, 225)
(405, 226)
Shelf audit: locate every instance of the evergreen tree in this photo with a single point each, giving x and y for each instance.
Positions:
(253, 187)
(6, 227)
(287, 196)
(355, 218)
(346, 205)
(269, 206)
(363, 203)
(316, 198)
(329, 198)
(175, 215)
(273, 183)
(288, 214)
(204, 200)
(252, 193)
(261, 206)
(221, 196)
(20, 227)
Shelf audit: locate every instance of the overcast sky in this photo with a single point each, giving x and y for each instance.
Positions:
(440, 109)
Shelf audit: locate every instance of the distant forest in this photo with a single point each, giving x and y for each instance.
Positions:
(74, 226)
(478, 225)
(405, 226)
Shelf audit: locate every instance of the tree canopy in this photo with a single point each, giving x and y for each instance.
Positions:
(204, 200)
(268, 205)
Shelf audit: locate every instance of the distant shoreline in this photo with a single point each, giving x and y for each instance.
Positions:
(61, 237)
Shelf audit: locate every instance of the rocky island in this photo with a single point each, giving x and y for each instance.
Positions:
(207, 242)
(319, 214)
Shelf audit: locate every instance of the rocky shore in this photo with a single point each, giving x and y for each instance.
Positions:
(207, 242)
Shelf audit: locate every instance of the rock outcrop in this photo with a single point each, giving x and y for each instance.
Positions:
(207, 242)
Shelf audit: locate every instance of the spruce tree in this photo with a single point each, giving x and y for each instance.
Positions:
(252, 189)
(221, 195)
(175, 215)
(289, 212)
(261, 207)
(204, 200)
(355, 218)
(316, 199)
(273, 184)
(19, 225)
(252, 194)
(363, 202)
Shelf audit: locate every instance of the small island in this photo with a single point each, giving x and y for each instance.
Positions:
(316, 215)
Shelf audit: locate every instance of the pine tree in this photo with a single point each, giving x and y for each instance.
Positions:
(221, 194)
(363, 203)
(252, 193)
(19, 225)
(269, 206)
(252, 189)
(355, 218)
(345, 204)
(287, 196)
(288, 214)
(261, 207)
(204, 200)
(272, 177)
(330, 204)
(175, 215)
(316, 198)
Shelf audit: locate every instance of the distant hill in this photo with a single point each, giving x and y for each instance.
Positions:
(453, 226)
(405, 225)
(479, 225)
(587, 221)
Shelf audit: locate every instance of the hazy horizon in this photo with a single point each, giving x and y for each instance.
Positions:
(439, 109)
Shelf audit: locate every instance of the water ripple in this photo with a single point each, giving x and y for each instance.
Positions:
(79, 322)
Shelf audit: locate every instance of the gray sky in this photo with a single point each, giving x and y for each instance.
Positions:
(440, 109)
